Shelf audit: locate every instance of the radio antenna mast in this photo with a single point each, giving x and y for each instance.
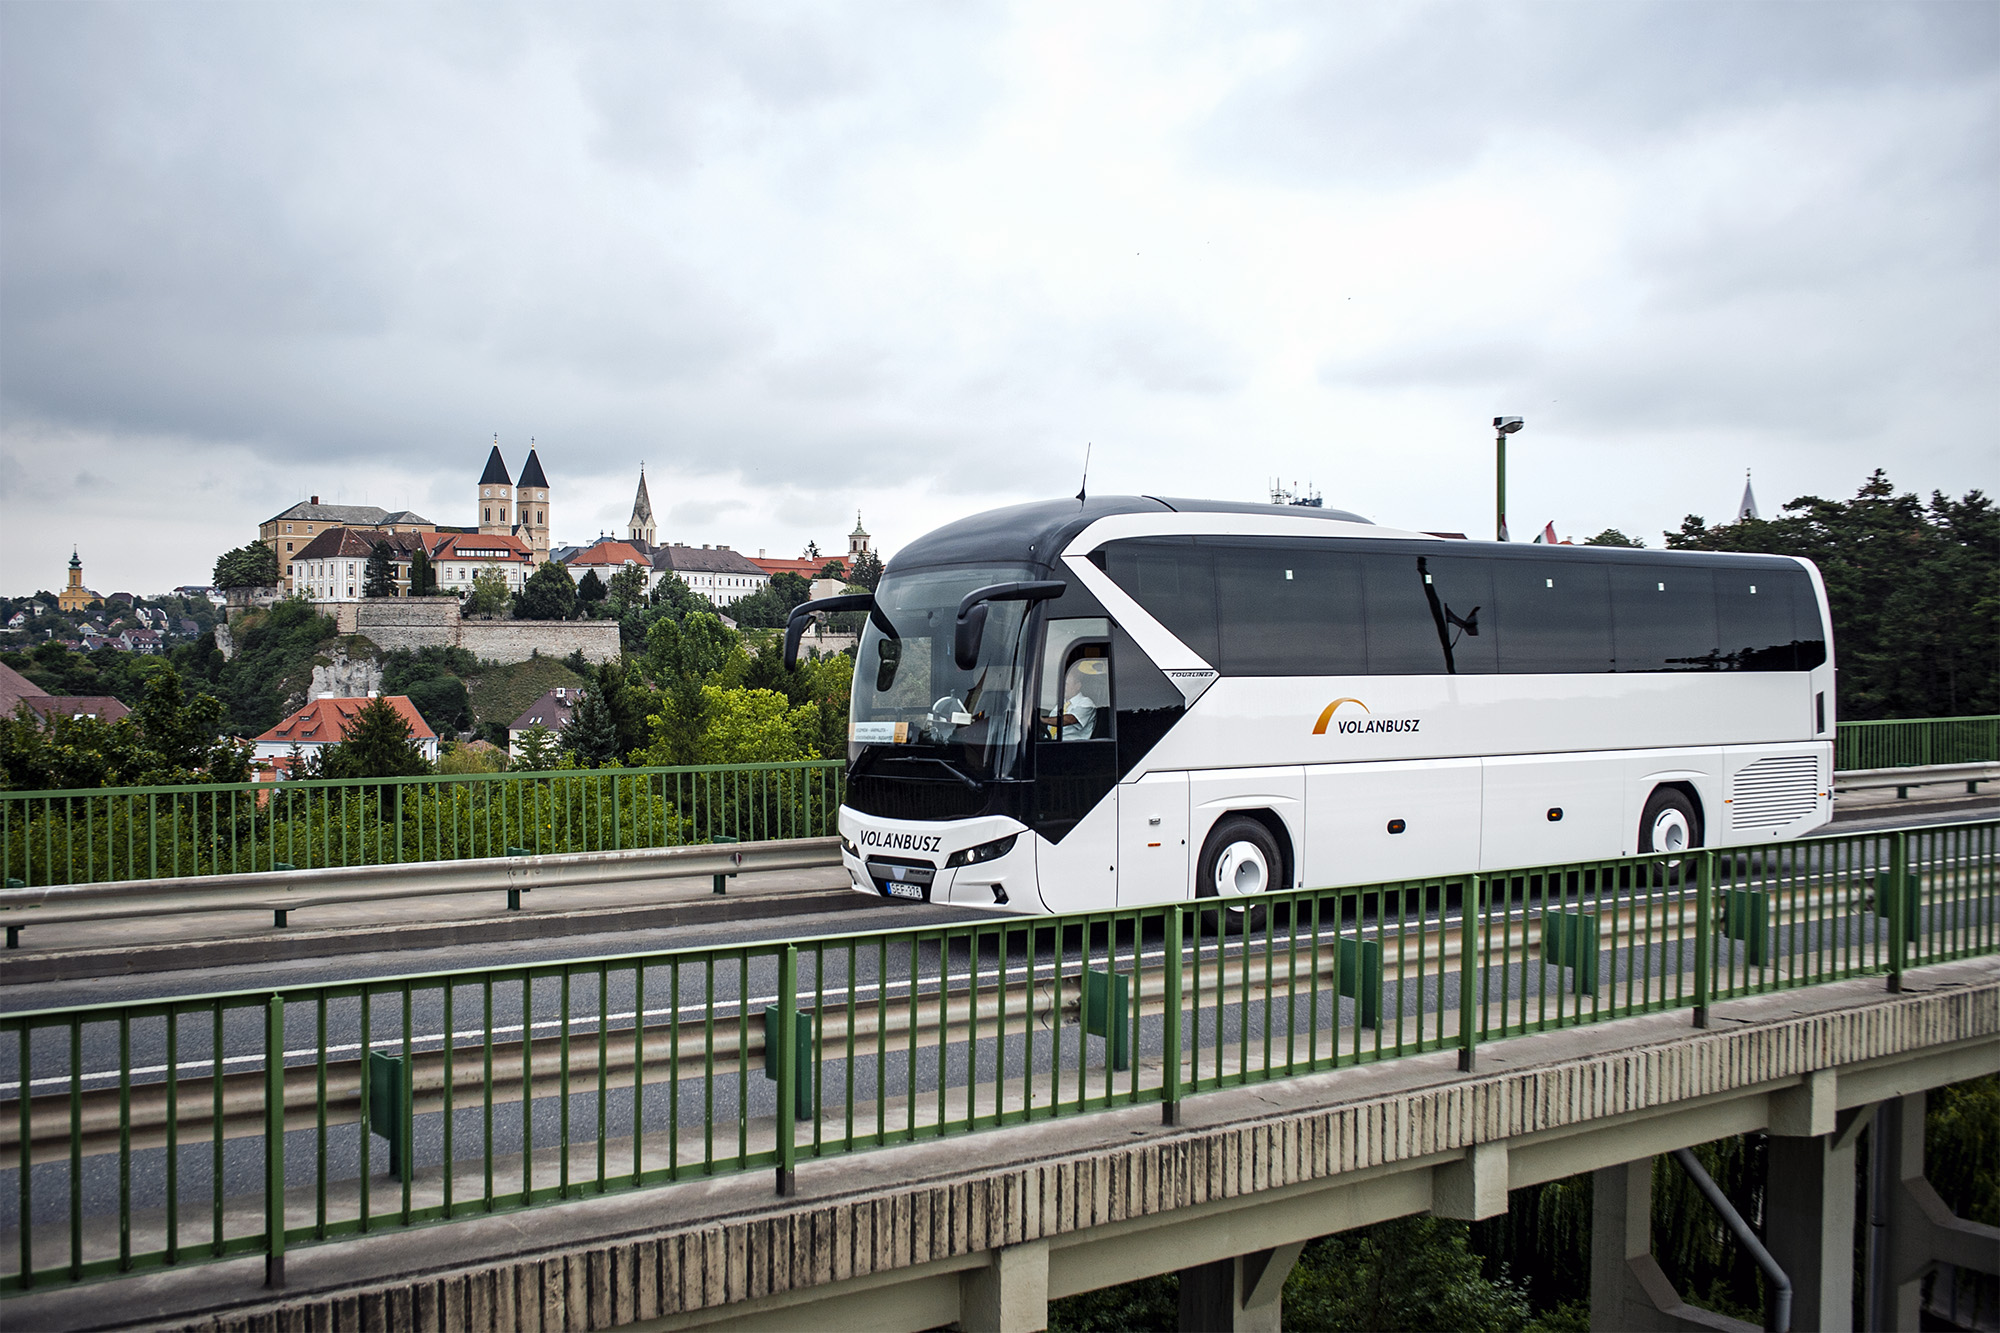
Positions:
(1085, 484)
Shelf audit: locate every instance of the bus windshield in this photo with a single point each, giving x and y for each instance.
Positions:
(911, 697)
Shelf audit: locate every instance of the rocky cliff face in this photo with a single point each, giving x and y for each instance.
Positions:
(344, 677)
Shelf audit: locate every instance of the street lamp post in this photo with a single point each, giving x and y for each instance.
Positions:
(1502, 428)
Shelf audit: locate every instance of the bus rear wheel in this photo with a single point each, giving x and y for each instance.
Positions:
(1239, 863)
(1669, 824)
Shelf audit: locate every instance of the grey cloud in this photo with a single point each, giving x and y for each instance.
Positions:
(1387, 93)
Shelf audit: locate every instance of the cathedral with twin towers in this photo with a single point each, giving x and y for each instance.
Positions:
(516, 507)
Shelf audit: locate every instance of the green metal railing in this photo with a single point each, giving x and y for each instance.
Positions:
(144, 1135)
(1916, 742)
(78, 837)
(84, 837)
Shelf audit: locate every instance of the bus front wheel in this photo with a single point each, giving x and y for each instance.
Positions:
(1239, 862)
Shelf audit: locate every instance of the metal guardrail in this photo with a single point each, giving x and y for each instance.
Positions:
(128, 833)
(1917, 742)
(144, 1135)
(283, 892)
(1931, 775)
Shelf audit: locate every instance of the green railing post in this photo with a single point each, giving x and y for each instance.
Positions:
(788, 1071)
(1704, 937)
(1899, 910)
(1170, 1052)
(274, 1141)
(1471, 907)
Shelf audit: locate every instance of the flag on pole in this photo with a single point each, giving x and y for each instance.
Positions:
(1548, 535)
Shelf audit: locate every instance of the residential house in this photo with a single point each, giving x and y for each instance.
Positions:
(17, 690)
(552, 710)
(326, 721)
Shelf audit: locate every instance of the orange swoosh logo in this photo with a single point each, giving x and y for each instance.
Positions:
(1319, 728)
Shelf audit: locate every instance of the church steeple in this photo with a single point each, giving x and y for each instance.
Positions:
(640, 526)
(496, 496)
(1747, 508)
(532, 496)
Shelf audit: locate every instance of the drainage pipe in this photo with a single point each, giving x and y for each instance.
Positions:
(1781, 1286)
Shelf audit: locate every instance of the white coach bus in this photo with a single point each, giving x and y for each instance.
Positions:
(1077, 705)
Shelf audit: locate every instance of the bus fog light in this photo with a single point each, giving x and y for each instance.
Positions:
(985, 851)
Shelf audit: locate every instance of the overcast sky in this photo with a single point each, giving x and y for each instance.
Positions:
(909, 259)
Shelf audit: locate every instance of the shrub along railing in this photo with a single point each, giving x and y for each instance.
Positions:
(1917, 742)
(172, 1132)
(87, 837)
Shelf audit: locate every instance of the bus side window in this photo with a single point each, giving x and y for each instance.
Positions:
(1288, 609)
(1171, 578)
(1663, 617)
(1553, 615)
(1076, 697)
(1754, 618)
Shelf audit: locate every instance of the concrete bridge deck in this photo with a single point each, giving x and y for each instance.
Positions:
(984, 1230)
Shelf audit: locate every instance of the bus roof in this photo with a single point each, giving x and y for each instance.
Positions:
(1035, 533)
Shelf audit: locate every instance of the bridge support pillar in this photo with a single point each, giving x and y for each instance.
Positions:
(1239, 1295)
(1473, 1189)
(1628, 1289)
(1010, 1293)
(1809, 1205)
(1911, 1229)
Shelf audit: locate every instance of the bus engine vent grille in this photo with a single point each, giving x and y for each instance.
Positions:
(1775, 791)
(913, 798)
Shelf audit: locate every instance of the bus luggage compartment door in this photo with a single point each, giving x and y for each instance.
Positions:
(1152, 839)
(1383, 821)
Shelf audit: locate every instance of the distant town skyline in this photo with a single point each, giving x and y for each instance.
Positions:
(916, 261)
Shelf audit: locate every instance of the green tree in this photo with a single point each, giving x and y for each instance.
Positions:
(183, 736)
(1613, 537)
(591, 589)
(628, 589)
(688, 649)
(488, 596)
(591, 734)
(549, 594)
(444, 704)
(378, 577)
(833, 569)
(423, 574)
(254, 565)
(623, 689)
(379, 744)
(537, 751)
(867, 570)
(1411, 1273)
(678, 601)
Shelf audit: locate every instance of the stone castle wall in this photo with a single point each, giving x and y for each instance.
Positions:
(434, 622)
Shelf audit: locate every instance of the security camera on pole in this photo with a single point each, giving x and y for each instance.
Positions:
(1502, 428)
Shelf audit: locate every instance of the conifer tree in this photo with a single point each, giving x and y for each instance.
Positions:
(591, 734)
(423, 575)
(379, 579)
(379, 744)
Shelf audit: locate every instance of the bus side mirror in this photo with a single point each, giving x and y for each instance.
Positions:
(971, 623)
(966, 635)
(803, 613)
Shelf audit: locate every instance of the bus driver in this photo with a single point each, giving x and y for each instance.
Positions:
(1079, 716)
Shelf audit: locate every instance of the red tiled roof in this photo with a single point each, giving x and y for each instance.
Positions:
(15, 687)
(478, 545)
(100, 706)
(325, 721)
(610, 553)
(805, 569)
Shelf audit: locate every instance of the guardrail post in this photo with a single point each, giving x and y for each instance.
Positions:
(721, 878)
(1704, 937)
(1899, 906)
(274, 1141)
(1471, 908)
(1107, 1012)
(1170, 1084)
(788, 1071)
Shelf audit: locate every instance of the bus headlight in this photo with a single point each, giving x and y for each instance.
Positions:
(985, 851)
(849, 847)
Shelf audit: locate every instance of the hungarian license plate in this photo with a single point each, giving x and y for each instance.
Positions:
(895, 890)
